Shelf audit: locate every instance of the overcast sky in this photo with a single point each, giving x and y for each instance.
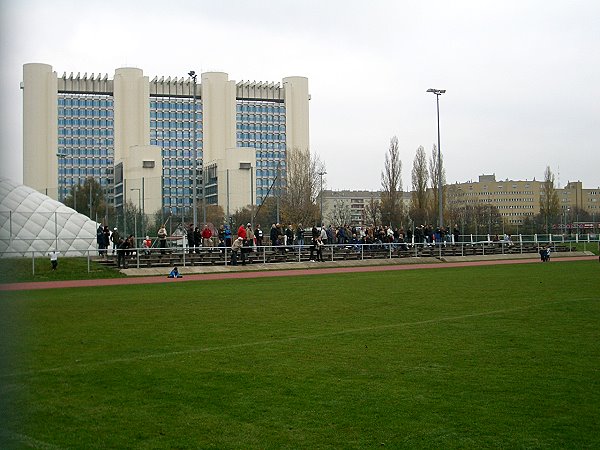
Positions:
(522, 77)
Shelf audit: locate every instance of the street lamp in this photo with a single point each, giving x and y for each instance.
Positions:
(321, 175)
(193, 75)
(437, 93)
(248, 166)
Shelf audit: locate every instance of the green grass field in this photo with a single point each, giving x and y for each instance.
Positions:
(485, 357)
(17, 270)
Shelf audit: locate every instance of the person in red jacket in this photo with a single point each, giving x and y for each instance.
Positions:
(242, 232)
(206, 236)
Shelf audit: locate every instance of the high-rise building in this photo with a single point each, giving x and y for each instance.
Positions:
(138, 137)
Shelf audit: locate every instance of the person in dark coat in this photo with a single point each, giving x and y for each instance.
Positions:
(122, 249)
(190, 238)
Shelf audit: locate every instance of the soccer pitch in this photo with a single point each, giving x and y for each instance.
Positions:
(499, 356)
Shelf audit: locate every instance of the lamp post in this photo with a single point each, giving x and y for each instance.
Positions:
(248, 166)
(437, 93)
(321, 175)
(135, 215)
(193, 75)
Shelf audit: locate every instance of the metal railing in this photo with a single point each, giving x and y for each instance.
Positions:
(195, 256)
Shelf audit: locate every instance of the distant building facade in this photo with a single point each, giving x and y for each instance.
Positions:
(135, 134)
(515, 200)
(347, 207)
(519, 200)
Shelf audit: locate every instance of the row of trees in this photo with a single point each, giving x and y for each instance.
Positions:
(425, 181)
(426, 176)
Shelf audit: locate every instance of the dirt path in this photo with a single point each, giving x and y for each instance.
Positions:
(262, 274)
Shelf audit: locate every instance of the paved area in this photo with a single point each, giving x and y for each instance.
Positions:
(159, 275)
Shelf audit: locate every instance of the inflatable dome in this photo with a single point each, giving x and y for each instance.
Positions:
(33, 222)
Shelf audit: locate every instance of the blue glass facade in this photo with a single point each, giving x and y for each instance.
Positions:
(261, 125)
(85, 140)
(172, 129)
(86, 144)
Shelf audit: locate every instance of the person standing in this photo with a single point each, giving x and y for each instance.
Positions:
(114, 238)
(190, 238)
(313, 242)
(273, 235)
(227, 236)
(147, 245)
(221, 236)
(241, 232)
(100, 240)
(300, 235)
(162, 239)
(197, 239)
(324, 235)
(258, 235)
(122, 248)
(207, 236)
(236, 249)
(319, 247)
(106, 239)
(456, 233)
(54, 259)
(289, 235)
(250, 238)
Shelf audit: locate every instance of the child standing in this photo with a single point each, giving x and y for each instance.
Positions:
(54, 259)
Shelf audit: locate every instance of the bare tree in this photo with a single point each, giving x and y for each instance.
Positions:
(303, 185)
(420, 180)
(341, 214)
(391, 184)
(435, 180)
(372, 212)
(88, 199)
(549, 203)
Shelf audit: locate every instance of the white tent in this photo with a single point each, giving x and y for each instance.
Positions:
(33, 222)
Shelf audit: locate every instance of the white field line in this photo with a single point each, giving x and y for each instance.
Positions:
(286, 339)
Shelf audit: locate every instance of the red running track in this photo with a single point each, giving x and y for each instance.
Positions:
(260, 274)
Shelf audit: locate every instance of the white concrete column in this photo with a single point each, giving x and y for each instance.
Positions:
(131, 111)
(218, 120)
(40, 128)
(297, 118)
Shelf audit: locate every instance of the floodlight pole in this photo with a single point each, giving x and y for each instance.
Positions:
(437, 93)
(135, 215)
(321, 175)
(193, 75)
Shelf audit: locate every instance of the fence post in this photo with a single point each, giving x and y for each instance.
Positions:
(33, 263)
(88, 260)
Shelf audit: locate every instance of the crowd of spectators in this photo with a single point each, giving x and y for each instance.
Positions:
(284, 236)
